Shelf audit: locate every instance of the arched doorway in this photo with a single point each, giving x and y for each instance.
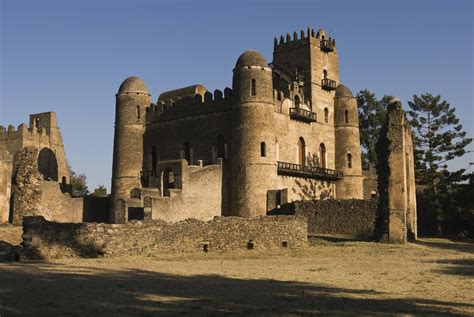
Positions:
(322, 155)
(48, 164)
(297, 102)
(301, 151)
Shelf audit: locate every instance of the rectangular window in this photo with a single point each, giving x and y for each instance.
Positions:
(253, 91)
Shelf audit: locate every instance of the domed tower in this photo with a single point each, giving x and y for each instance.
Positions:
(132, 100)
(348, 156)
(253, 156)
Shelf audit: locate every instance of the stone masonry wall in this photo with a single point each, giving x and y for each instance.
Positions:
(351, 217)
(46, 240)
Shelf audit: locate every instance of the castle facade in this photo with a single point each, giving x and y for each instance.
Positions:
(287, 130)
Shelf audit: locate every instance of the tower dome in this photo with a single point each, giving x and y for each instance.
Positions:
(251, 58)
(343, 91)
(133, 84)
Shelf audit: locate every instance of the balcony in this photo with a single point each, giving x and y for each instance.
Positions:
(145, 177)
(302, 115)
(305, 171)
(328, 84)
(327, 46)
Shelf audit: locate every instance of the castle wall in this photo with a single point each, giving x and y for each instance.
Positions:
(370, 183)
(6, 167)
(57, 206)
(48, 240)
(199, 195)
(351, 217)
(42, 134)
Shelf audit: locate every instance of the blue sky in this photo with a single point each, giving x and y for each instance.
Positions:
(71, 56)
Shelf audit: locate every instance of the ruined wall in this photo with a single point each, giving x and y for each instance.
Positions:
(46, 240)
(55, 205)
(352, 217)
(32, 195)
(370, 183)
(6, 168)
(199, 195)
(44, 135)
(396, 178)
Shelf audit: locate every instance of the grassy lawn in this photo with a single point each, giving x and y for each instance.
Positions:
(432, 277)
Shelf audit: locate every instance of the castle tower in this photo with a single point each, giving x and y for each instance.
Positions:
(348, 156)
(132, 102)
(253, 148)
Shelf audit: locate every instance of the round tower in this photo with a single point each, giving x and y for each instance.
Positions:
(253, 156)
(348, 155)
(132, 101)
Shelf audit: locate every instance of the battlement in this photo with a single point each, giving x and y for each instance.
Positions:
(199, 104)
(22, 132)
(318, 38)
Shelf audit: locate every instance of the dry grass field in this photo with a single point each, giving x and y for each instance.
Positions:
(431, 278)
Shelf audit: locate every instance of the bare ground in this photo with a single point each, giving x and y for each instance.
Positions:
(433, 277)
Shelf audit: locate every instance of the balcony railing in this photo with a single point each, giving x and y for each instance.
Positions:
(302, 115)
(305, 171)
(328, 84)
(327, 46)
(145, 177)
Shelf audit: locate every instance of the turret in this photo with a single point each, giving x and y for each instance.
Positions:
(132, 101)
(253, 148)
(348, 156)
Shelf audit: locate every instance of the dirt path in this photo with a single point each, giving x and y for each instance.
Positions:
(433, 277)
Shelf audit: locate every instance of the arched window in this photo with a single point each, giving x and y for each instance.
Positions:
(326, 115)
(168, 181)
(263, 149)
(346, 116)
(138, 112)
(322, 155)
(37, 122)
(220, 146)
(349, 160)
(301, 151)
(253, 90)
(297, 101)
(154, 157)
(187, 152)
(325, 74)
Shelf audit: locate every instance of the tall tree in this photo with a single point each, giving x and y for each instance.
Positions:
(438, 139)
(371, 119)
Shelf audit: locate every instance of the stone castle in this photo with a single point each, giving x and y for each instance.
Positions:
(285, 136)
(286, 131)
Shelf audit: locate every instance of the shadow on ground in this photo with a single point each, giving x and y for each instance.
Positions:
(457, 246)
(31, 289)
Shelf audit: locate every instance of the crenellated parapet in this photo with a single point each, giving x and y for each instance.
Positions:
(23, 132)
(318, 38)
(188, 106)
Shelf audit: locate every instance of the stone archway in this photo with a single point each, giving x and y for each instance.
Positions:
(48, 164)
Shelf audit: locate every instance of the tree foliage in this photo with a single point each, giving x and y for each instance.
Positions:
(100, 191)
(438, 138)
(78, 184)
(371, 118)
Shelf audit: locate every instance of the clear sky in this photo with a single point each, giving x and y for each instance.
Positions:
(71, 56)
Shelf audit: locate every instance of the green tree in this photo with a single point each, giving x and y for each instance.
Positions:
(371, 118)
(438, 138)
(78, 184)
(100, 191)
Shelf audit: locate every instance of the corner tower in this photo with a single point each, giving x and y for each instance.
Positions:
(253, 147)
(132, 102)
(348, 156)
